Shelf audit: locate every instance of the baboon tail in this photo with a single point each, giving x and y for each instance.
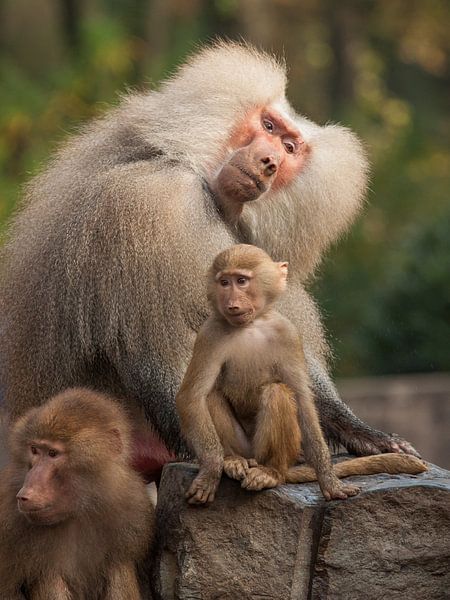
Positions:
(300, 474)
(392, 463)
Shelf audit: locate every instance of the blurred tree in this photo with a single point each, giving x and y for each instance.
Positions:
(71, 23)
(409, 326)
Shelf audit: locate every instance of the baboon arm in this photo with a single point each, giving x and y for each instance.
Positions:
(341, 426)
(196, 423)
(392, 463)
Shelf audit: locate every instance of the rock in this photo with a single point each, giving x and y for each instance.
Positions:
(391, 541)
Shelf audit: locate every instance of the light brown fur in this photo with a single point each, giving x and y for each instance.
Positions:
(95, 520)
(245, 402)
(392, 463)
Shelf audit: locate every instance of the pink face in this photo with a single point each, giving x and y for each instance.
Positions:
(46, 496)
(274, 143)
(266, 151)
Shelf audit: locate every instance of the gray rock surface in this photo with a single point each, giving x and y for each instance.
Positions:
(391, 541)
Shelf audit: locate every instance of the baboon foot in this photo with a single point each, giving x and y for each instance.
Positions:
(203, 489)
(340, 491)
(260, 478)
(237, 467)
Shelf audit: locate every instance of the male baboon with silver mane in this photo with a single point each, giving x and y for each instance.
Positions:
(98, 268)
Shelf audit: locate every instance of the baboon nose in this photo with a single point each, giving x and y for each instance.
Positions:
(270, 166)
(233, 309)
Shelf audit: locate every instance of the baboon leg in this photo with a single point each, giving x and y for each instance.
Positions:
(277, 438)
(236, 445)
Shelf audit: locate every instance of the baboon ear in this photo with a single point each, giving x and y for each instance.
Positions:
(283, 266)
(116, 440)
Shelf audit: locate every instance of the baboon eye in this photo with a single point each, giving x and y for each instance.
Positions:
(289, 147)
(52, 453)
(268, 125)
(242, 280)
(34, 450)
(224, 282)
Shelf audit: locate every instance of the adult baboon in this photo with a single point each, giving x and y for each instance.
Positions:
(98, 269)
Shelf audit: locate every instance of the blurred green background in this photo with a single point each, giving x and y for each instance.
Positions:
(378, 66)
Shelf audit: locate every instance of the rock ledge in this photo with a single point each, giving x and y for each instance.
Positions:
(392, 540)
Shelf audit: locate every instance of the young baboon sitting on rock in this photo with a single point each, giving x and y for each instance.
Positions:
(245, 403)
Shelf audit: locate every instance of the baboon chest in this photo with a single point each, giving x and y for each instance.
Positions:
(249, 366)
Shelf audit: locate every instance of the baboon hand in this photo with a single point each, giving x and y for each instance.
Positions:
(337, 490)
(236, 467)
(203, 488)
(398, 444)
(372, 441)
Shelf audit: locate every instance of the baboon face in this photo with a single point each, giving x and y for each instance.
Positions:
(266, 151)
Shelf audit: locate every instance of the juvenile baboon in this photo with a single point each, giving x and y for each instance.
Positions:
(75, 518)
(245, 402)
(103, 269)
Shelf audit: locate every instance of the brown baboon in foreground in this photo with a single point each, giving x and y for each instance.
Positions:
(74, 517)
(245, 402)
(103, 270)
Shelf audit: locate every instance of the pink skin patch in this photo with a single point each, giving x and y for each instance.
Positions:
(267, 128)
(149, 455)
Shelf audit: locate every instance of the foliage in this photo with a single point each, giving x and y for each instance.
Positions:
(409, 326)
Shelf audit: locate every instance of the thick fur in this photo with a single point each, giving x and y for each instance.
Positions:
(99, 262)
(114, 518)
